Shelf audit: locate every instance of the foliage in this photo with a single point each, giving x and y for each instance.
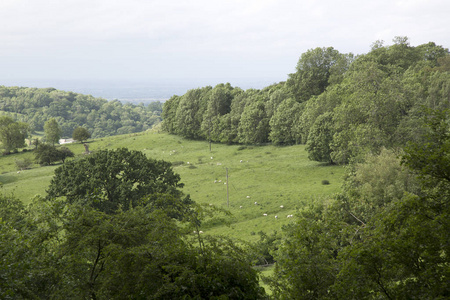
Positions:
(111, 179)
(80, 134)
(385, 237)
(47, 154)
(12, 133)
(320, 139)
(52, 131)
(345, 106)
(23, 163)
(316, 68)
(100, 117)
(56, 249)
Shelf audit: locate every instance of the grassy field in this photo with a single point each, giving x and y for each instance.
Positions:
(271, 176)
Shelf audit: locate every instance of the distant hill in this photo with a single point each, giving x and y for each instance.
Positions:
(101, 117)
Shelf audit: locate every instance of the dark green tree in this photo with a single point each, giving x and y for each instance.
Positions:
(65, 153)
(54, 249)
(46, 154)
(320, 139)
(80, 134)
(12, 133)
(113, 179)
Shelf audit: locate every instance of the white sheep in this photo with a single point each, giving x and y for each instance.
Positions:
(211, 157)
(276, 217)
(240, 206)
(256, 203)
(241, 160)
(200, 232)
(265, 215)
(281, 206)
(248, 197)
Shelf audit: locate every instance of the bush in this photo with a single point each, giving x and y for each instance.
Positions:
(325, 182)
(22, 164)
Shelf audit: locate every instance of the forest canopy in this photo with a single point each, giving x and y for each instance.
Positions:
(100, 117)
(340, 105)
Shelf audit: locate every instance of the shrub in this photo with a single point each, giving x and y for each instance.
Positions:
(325, 182)
(22, 164)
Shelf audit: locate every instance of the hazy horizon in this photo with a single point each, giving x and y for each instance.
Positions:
(136, 90)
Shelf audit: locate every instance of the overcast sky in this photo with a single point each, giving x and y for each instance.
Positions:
(173, 39)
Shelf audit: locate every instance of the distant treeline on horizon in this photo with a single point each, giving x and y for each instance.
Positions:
(71, 110)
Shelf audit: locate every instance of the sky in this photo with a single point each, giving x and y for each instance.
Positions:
(205, 40)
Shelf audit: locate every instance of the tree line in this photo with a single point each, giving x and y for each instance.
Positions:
(340, 105)
(116, 225)
(100, 117)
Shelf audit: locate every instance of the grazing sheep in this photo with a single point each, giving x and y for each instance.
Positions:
(215, 181)
(211, 157)
(187, 162)
(18, 172)
(276, 217)
(281, 206)
(240, 206)
(289, 216)
(195, 231)
(200, 232)
(241, 160)
(248, 197)
(265, 215)
(256, 203)
(220, 181)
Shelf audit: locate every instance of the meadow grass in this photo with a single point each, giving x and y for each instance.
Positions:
(269, 175)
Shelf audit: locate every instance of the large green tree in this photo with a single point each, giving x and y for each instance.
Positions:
(80, 134)
(314, 70)
(12, 133)
(113, 179)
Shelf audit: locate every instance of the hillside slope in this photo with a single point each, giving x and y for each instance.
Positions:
(271, 176)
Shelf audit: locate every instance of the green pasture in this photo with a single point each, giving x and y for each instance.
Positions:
(269, 175)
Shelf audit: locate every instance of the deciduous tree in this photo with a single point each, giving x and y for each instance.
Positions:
(80, 134)
(12, 133)
(113, 179)
(52, 131)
